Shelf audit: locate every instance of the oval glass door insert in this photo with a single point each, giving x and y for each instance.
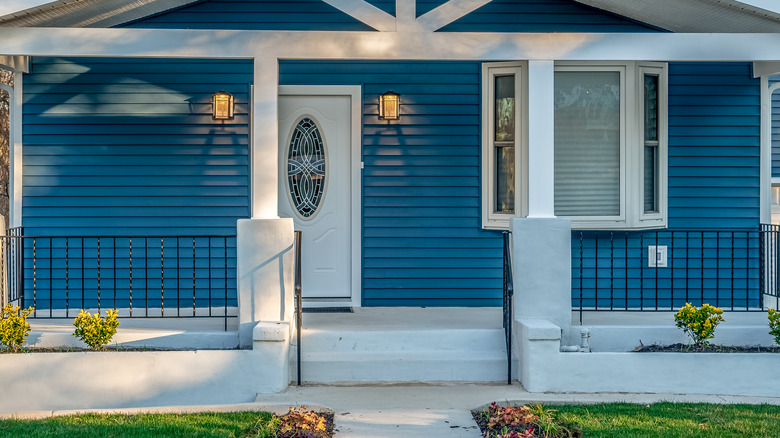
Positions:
(306, 168)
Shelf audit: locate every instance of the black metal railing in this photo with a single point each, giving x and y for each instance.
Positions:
(661, 270)
(140, 276)
(507, 303)
(298, 302)
(770, 265)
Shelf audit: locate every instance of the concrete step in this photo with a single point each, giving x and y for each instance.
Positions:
(402, 347)
(394, 367)
(351, 341)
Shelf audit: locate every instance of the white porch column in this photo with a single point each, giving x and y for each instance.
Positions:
(15, 153)
(540, 139)
(265, 146)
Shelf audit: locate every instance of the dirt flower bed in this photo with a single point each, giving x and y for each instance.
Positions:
(522, 422)
(704, 348)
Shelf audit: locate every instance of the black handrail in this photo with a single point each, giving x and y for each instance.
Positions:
(298, 301)
(507, 302)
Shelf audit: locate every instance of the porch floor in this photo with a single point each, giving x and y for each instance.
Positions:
(624, 331)
(406, 318)
(173, 333)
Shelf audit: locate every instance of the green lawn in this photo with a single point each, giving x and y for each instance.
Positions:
(235, 424)
(670, 420)
(667, 420)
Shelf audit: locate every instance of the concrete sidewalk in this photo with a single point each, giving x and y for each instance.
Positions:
(415, 410)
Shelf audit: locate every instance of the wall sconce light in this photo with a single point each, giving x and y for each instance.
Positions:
(222, 106)
(389, 106)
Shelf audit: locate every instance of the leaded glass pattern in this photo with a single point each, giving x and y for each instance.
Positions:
(306, 168)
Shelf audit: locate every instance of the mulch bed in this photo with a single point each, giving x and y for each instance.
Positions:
(685, 348)
(328, 432)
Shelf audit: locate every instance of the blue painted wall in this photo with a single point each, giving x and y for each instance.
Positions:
(497, 16)
(129, 148)
(714, 149)
(254, 15)
(422, 242)
(714, 146)
(543, 16)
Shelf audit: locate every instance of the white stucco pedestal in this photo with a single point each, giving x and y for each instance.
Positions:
(265, 274)
(541, 255)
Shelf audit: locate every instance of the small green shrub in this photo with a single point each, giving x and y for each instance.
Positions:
(14, 327)
(94, 330)
(699, 323)
(774, 324)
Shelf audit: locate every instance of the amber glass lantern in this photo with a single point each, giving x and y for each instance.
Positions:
(222, 106)
(389, 106)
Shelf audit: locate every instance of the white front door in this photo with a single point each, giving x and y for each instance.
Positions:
(315, 181)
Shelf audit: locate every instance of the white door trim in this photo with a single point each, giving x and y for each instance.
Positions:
(355, 94)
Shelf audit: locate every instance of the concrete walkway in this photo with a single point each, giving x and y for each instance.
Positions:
(416, 410)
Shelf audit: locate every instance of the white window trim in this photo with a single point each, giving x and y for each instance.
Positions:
(632, 215)
(490, 218)
(657, 219)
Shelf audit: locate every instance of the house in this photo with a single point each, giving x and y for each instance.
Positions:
(628, 150)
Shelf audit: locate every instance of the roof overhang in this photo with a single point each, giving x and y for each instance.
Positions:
(89, 13)
(693, 16)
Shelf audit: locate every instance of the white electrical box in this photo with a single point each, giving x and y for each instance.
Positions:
(656, 256)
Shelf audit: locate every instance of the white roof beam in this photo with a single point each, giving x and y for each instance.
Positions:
(366, 13)
(448, 13)
(388, 45)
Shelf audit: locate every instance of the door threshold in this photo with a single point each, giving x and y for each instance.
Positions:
(328, 310)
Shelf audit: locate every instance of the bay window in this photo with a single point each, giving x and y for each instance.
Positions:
(610, 144)
(610, 154)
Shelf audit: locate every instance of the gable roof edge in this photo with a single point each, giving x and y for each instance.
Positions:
(90, 13)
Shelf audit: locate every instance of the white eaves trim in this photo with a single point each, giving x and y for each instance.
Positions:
(89, 13)
(389, 45)
(694, 16)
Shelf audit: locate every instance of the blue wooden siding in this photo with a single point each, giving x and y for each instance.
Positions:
(422, 242)
(254, 15)
(497, 16)
(128, 147)
(543, 16)
(714, 146)
(714, 149)
(775, 128)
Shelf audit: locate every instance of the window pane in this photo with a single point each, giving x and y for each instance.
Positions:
(651, 158)
(587, 143)
(651, 108)
(651, 143)
(505, 180)
(505, 108)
